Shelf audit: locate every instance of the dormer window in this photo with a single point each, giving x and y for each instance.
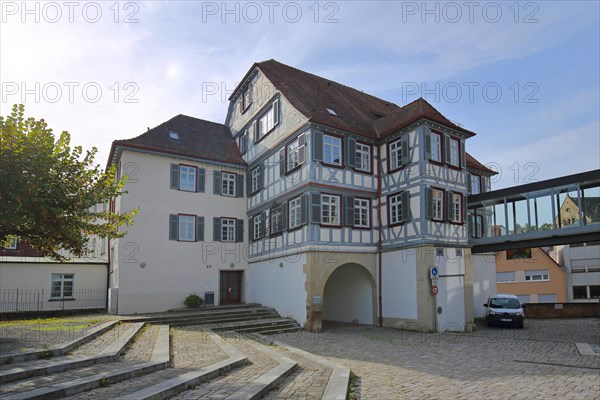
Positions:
(174, 135)
(331, 112)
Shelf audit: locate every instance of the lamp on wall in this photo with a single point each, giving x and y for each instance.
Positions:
(280, 265)
(142, 265)
(208, 266)
(231, 265)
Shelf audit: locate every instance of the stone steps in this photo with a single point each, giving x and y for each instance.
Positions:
(185, 361)
(113, 341)
(73, 381)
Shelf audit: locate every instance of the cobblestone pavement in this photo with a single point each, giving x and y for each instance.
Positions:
(31, 335)
(98, 344)
(41, 381)
(538, 362)
(308, 381)
(140, 349)
(220, 388)
(191, 349)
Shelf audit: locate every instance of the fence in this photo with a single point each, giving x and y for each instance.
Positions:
(19, 300)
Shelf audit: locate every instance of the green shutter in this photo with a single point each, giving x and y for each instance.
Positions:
(174, 176)
(315, 208)
(173, 227)
(217, 186)
(317, 146)
(200, 180)
(200, 229)
(351, 152)
(216, 229)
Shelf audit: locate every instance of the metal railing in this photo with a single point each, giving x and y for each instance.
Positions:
(21, 300)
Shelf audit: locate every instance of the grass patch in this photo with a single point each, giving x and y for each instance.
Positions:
(51, 324)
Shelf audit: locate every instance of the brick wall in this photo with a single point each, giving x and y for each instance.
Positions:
(562, 310)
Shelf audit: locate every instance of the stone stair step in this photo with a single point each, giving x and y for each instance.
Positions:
(283, 330)
(67, 383)
(249, 382)
(110, 352)
(214, 321)
(219, 310)
(250, 324)
(58, 350)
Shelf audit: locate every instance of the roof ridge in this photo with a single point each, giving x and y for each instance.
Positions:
(329, 81)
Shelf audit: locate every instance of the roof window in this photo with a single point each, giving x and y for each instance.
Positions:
(330, 111)
(173, 135)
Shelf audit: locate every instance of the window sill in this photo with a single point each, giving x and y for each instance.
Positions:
(326, 164)
(396, 224)
(438, 163)
(292, 170)
(362, 228)
(454, 167)
(323, 224)
(246, 109)
(360, 171)
(295, 228)
(62, 299)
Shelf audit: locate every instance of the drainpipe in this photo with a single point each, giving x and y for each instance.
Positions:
(380, 239)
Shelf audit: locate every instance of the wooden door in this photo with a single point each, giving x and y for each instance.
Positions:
(231, 287)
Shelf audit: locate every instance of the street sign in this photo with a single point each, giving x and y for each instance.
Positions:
(434, 290)
(433, 272)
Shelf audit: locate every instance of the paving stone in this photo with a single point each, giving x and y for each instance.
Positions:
(397, 364)
(191, 349)
(228, 384)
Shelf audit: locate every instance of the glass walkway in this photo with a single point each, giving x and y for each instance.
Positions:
(556, 211)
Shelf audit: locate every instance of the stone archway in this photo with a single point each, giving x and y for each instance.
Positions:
(349, 295)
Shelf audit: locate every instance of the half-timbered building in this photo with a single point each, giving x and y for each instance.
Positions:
(314, 198)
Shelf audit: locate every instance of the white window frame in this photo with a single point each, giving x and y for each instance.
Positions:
(436, 147)
(362, 213)
(454, 152)
(293, 154)
(331, 146)
(275, 220)
(246, 98)
(174, 135)
(256, 224)
(228, 229)
(244, 141)
(267, 121)
(187, 178)
(475, 184)
(330, 209)
(184, 224)
(255, 175)
(395, 154)
(541, 277)
(228, 184)
(62, 279)
(437, 204)
(295, 212)
(456, 208)
(395, 209)
(363, 157)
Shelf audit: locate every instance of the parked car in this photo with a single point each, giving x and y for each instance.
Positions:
(504, 309)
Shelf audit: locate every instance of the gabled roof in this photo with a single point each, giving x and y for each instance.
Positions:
(473, 163)
(355, 111)
(197, 139)
(413, 112)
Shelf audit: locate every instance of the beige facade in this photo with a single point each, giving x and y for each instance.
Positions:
(532, 275)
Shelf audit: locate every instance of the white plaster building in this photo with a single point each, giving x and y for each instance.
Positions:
(341, 202)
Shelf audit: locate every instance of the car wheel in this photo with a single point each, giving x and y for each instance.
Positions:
(488, 322)
(520, 325)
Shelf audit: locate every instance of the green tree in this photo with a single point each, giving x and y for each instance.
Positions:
(48, 190)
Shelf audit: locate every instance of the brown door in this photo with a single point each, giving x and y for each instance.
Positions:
(231, 287)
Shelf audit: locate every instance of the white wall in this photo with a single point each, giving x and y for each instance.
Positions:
(484, 281)
(89, 285)
(280, 288)
(348, 295)
(399, 284)
(172, 269)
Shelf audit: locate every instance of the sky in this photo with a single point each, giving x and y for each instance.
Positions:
(525, 76)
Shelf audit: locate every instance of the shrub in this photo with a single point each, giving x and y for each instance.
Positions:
(193, 301)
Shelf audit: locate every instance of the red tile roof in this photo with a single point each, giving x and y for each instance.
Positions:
(473, 163)
(355, 111)
(197, 139)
